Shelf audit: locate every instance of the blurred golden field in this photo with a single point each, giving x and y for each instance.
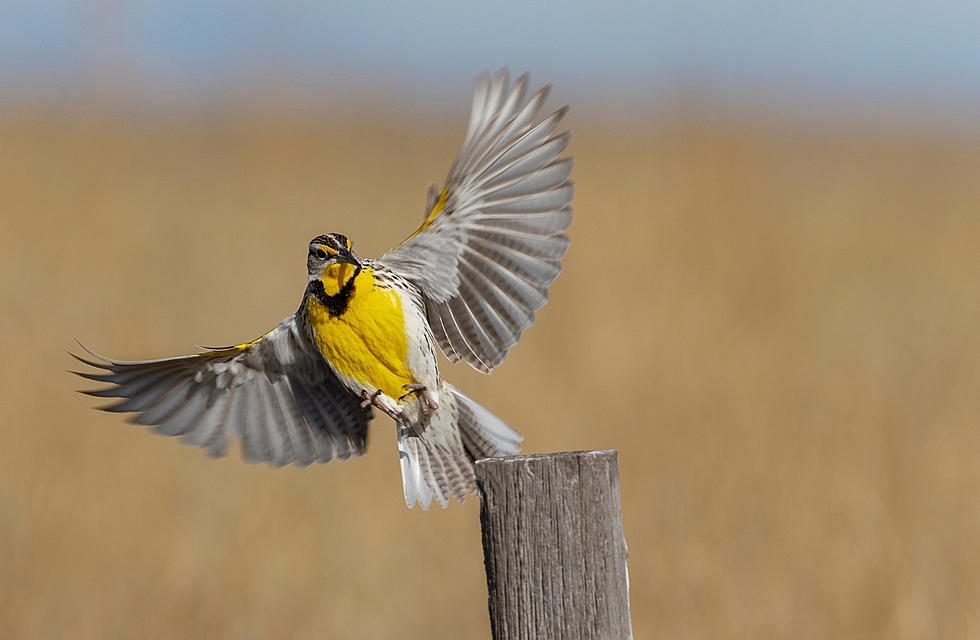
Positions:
(778, 328)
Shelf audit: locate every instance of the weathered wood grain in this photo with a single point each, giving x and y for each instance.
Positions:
(553, 546)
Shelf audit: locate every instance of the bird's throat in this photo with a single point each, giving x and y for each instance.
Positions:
(335, 288)
(336, 276)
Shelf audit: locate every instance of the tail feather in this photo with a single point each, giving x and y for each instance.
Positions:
(414, 482)
(484, 434)
(438, 461)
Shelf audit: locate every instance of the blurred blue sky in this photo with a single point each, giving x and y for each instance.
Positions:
(838, 54)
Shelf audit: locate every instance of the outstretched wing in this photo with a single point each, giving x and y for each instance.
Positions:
(493, 240)
(276, 394)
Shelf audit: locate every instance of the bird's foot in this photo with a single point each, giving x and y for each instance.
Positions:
(377, 400)
(427, 401)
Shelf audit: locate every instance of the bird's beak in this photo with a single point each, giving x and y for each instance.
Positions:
(345, 255)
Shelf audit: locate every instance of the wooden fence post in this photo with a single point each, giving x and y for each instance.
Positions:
(553, 546)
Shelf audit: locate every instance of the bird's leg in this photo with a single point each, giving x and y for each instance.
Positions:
(427, 401)
(373, 399)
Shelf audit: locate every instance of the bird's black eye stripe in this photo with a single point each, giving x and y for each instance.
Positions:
(321, 254)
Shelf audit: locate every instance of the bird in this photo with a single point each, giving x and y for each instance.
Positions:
(468, 281)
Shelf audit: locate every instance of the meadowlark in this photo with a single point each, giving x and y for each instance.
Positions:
(469, 280)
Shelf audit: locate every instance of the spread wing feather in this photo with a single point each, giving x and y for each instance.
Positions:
(492, 243)
(276, 395)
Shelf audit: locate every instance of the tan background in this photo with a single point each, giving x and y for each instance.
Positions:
(776, 326)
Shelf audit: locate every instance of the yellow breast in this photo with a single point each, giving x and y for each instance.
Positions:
(367, 340)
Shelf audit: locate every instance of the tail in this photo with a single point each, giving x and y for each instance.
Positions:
(438, 462)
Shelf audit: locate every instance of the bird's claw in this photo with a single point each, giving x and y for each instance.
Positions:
(426, 400)
(371, 399)
(368, 400)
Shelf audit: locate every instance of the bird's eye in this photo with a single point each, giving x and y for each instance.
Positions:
(321, 254)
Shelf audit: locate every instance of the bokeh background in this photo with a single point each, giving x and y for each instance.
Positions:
(770, 307)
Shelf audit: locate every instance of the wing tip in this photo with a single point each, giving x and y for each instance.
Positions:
(105, 363)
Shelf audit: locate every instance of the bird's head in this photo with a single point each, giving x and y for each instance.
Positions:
(331, 259)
